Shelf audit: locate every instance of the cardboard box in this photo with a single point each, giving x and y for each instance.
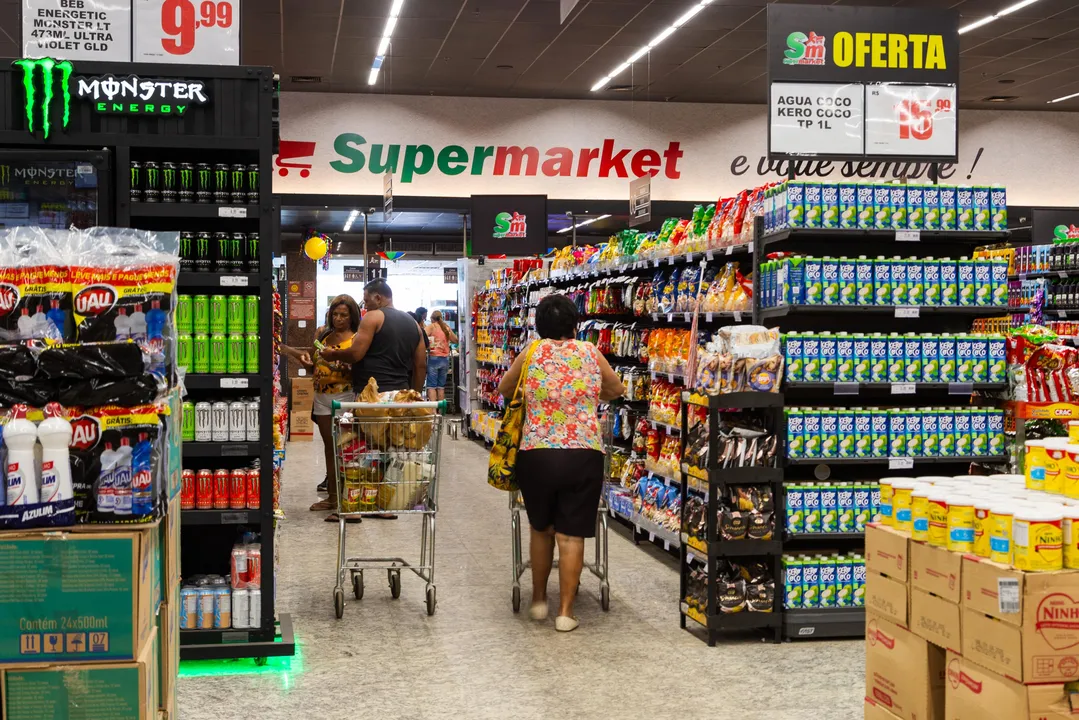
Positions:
(873, 711)
(172, 465)
(887, 552)
(888, 598)
(168, 635)
(936, 620)
(904, 674)
(84, 595)
(1024, 626)
(170, 547)
(974, 693)
(301, 427)
(936, 570)
(303, 394)
(120, 691)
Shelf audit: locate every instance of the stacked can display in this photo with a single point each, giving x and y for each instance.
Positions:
(223, 252)
(833, 507)
(812, 581)
(220, 489)
(156, 181)
(218, 334)
(221, 421)
(215, 602)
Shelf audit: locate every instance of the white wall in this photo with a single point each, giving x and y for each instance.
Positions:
(411, 287)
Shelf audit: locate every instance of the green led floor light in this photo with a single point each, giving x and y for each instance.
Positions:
(29, 67)
(285, 667)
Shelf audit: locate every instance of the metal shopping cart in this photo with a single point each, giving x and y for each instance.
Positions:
(386, 461)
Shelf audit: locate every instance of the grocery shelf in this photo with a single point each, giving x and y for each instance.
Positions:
(654, 531)
(221, 449)
(1074, 272)
(203, 381)
(936, 236)
(720, 254)
(733, 621)
(225, 644)
(889, 310)
(824, 623)
(221, 517)
(666, 427)
(734, 548)
(854, 388)
(886, 460)
(825, 537)
(665, 479)
(229, 280)
(182, 211)
(736, 476)
(734, 401)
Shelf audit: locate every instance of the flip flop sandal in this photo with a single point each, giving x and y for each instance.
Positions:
(322, 505)
(332, 517)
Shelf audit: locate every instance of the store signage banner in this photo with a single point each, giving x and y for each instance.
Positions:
(514, 225)
(77, 29)
(353, 273)
(188, 32)
(1052, 224)
(640, 201)
(342, 144)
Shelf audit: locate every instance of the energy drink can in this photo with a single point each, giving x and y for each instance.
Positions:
(949, 283)
(830, 280)
(998, 205)
(930, 433)
(979, 431)
(234, 314)
(863, 434)
(980, 354)
(187, 251)
(135, 179)
(795, 431)
(963, 439)
(222, 607)
(219, 353)
(845, 503)
(238, 433)
(912, 422)
(826, 581)
(915, 281)
(187, 422)
(222, 252)
(251, 314)
(814, 285)
(796, 204)
(189, 608)
(847, 195)
(829, 433)
(186, 186)
(947, 349)
(999, 280)
(930, 359)
(878, 358)
(200, 313)
(255, 619)
(858, 580)
(812, 205)
(848, 283)
(866, 211)
(151, 188)
(185, 352)
(235, 357)
(983, 211)
(205, 612)
(946, 431)
(253, 184)
(845, 432)
(930, 281)
(169, 182)
(810, 583)
(864, 280)
(251, 253)
(998, 369)
(844, 353)
(983, 282)
(241, 608)
(882, 281)
(862, 360)
(995, 430)
(811, 358)
(221, 183)
(237, 193)
(948, 207)
(219, 431)
(931, 207)
(844, 581)
(792, 351)
(251, 354)
(204, 479)
(897, 433)
(882, 208)
(964, 355)
(829, 366)
(898, 271)
(792, 582)
(204, 183)
(811, 503)
(897, 359)
(912, 358)
(795, 505)
(897, 202)
(184, 319)
(915, 207)
(236, 255)
(252, 430)
(218, 314)
(964, 208)
(203, 254)
(200, 351)
(811, 433)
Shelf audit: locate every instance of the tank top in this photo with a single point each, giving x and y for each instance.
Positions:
(440, 344)
(561, 393)
(392, 355)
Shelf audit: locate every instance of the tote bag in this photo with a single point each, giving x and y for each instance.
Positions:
(502, 464)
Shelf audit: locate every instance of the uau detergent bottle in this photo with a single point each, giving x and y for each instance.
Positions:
(121, 479)
(54, 434)
(122, 323)
(142, 479)
(138, 324)
(103, 488)
(20, 437)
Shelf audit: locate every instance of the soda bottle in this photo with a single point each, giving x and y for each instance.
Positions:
(20, 437)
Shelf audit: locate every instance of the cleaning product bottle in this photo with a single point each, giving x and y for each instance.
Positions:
(122, 323)
(121, 479)
(57, 317)
(103, 488)
(155, 333)
(54, 434)
(40, 328)
(20, 437)
(25, 325)
(138, 324)
(142, 479)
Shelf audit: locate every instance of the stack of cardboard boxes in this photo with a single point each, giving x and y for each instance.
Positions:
(957, 637)
(301, 426)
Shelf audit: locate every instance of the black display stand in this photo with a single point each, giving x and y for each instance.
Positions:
(236, 125)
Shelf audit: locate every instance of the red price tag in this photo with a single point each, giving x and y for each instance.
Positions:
(179, 21)
(204, 32)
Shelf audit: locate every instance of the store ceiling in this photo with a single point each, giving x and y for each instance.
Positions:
(518, 48)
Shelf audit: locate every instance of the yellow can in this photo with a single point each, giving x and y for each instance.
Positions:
(960, 523)
(1001, 516)
(901, 503)
(919, 512)
(1071, 471)
(1056, 456)
(1034, 464)
(1038, 538)
(1070, 533)
(885, 508)
(982, 525)
(1073, 431)
(938, 517)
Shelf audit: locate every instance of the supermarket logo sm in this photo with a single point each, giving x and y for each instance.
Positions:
(510, 226)
(805, 49)
(45, 80)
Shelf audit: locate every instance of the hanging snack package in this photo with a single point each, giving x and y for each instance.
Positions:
(35, 293)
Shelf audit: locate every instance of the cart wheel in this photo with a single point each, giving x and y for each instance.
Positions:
(339, 603)
(431, 600)
(516, 599)
(357, 585)
(395, 583)
(605, 598)
(260, 661)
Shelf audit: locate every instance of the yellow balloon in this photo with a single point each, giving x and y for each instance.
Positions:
(315, 247)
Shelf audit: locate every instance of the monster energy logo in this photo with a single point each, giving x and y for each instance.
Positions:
(135, 180)
(151, 176)
(204, 179)
(49, 90)
(186, 179)
(185, 245)
(235, 250)
(237, 180)
(253, 179)
(222, 178)
(170, 177)
(252, 246)
(202, 246)
(38, 175)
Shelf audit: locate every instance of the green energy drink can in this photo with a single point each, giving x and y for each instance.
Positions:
(234, 314)
(186, 186)
(237, 174)
(200, 314)
(204, 183)
(135, 180)
(203, 256)
(253, 184)
(251, 314)
(200, 346)
(251, 253)
(251, 353)
(218, 314)
(184, 352)
(187, 422)
(219, 353)
(169, 182)
(184, 320)
(151, 186)
(221, 183)
(237, 246)
(187, 251)
(235, 359)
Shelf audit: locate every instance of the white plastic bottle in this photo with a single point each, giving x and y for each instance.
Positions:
(121, 479)
(54, 434)
(103, 488)
(25, 325)
(20, 436)
(138, 324)
(40, 327)
(122, 323)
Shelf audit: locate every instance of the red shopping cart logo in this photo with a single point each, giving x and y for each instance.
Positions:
(294, 150)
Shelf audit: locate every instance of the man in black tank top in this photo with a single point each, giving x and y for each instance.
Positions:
(388, 346)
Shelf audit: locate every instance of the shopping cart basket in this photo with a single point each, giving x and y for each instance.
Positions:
(386, 460)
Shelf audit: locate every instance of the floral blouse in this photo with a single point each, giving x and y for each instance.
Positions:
(333, 377)
(561, 393)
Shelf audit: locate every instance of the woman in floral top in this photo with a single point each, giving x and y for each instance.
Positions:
(560, 463)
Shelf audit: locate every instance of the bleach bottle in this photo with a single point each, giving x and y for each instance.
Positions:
(121, 479)
(57, 318)
(103, 488)
(138, 324)
(54, 434)
(20, 437)
(142, 479)
(122, 323)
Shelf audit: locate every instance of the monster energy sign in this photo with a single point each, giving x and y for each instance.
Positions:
(42, 80)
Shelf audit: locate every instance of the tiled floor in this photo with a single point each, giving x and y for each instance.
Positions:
(475, 659)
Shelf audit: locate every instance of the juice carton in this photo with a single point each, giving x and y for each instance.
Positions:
(963, 441)
(795, 509)
(915, 281)
(882, 207)
(781, 207)
(878, 358)
(931, 204)
(983, 282)
(931, 278)
(995, 430)
(897, 201)
(845, 430)
(912, 358)
(829, 433)
(897, 433)
(863, 279)
(858, 580)
(979, 431)
(964, 208)
(792, 582)
(792, 355)
(844, 353)
(998, 204)
(814, 289)
(980, 354)
(874, 502)
(946, 430)
(915, 207)
(811, 359)
(946, 350)
(811, 503)
(930, 433)
(796, 282)
(812, 205)
(998, 368)
(829, 508)
(930, 358)
(845, 501)
(882, 281)
(866, 208)
(768, 219)
(897, 359)
(861, 358)
(829, 203)
(964, 358)
(829, 361)
(948, 209)
(811, 433)
(826, 581)
(795, 206)
(810, 583)
(848, 283)
(999, 275)
(879, 433)
(898, 272)
(848, 206)
(844, 581)
(830, 280)
(862, 506)
(949, 283)
(863, 434)
(965, 278)
(912, 420)
(795, 433)
(983, 212)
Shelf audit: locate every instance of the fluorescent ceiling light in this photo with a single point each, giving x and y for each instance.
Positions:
(661, 37)
(599, 85)
(581, 224)
(383, 46)
(351, 217)
(391, 23)
(986, 20)
(687, 16)
(384, 43)
(1060, 99)
(638, 55)
(372, 78)
(396, 9)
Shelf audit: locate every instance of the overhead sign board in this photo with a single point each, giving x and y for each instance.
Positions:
(187, 32)
(77, 29)
(514, 225)
(353, 273)
(817, 115)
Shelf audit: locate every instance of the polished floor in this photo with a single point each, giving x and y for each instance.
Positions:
(475, 659)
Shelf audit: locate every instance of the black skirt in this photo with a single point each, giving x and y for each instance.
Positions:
(561, 489)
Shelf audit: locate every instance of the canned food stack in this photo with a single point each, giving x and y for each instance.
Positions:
(218, 334)
(155, 181)
(216, 602)
(220, 489)
(221, 252)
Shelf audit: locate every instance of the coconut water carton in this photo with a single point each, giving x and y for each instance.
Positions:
(795, 432)
(999, 274)
(830, 280)
(829, 432)
(949, 282)
(814, 288)
(811, 432)
(995, 430)
(983, 212)
(792, 357)
(844, 353)
(964, 208)
(931, 207)
(979, 431)
(915, 207)
(912, 357)
(848, 282)
(930, 359)
(998, 367)
(866, 207)
(946, 430)
(879, 433)
(795, 205)
(845, 430)
(897, 201)
(795, 509)
(998, 204)
(897, 359)
(931, 281)
(829, 203)
(813, 208)
(829, 359)
(983, 282)
(948, 207)
(897, 433)
(946, 351)
(882, 206)
(967, 286)
(930, 433)
(980, 352)
(862, 507)
(811, 502)
(862, 360)
(878, 358)
(864, 278)
(863, 434)
(900, 288)
(964, 356)
(882, 281)
(915, 281)
(811, 359)
(848, 206)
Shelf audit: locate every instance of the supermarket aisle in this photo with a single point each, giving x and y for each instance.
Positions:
(476, 659)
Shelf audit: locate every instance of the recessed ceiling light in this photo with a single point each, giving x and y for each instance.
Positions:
(620, 88)
(306, 78)
(384, 41)
(1000, 98)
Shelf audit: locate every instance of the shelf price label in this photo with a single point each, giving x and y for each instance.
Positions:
(902, 388)
(232, 212)
(234, 383)
(900, 463)
(233, 281)
(193, 32)
(908, 235)
(907, 312)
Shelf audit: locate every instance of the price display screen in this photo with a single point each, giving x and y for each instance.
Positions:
(915, 120)
(197, 32)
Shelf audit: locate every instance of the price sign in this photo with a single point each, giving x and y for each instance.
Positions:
(77, 29)
(900, 463)
(816, 118)
(192, 32)
(907, 312)
(908, 235)
(232, 212)
(914, 120)
(902, 388)
(232, 281)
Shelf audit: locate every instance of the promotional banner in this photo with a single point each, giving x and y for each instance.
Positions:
(336, 143)
(509, 224)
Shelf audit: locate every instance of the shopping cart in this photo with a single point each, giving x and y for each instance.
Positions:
(386, 460)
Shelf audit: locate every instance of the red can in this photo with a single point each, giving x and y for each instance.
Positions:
(187, 490)
(254, 488)
(204, 489)
(221, 489)
(238, 489)
(254, 566)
